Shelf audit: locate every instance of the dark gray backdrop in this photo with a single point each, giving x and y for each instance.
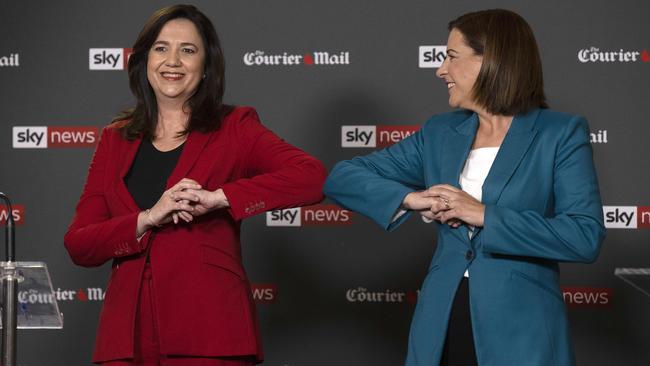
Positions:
(310, 320)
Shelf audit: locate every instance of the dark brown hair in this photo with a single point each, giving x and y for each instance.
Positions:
(510, 80)
(206, 105)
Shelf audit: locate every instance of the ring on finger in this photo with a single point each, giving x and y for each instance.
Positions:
(446, 202)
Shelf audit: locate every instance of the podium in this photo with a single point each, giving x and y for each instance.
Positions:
(37, 307)
(639, 278)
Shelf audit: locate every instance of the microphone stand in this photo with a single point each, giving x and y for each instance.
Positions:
(9, 287)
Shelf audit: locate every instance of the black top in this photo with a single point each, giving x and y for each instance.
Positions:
(148, 175)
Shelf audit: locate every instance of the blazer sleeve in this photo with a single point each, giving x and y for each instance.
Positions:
(375, 185)
(576, 230)
(276, 175)
(94, 236)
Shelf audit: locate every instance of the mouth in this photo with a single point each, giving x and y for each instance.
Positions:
(172, 76)
(450, 85)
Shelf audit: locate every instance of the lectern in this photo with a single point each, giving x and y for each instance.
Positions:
(27, 295)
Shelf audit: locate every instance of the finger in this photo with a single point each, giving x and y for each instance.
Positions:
(184, 196)
(175, 218)
(454, 222)
(438, 191)
(438, 204)
(185, 216)
(183, 206)
(199, 193)
(427, 214)
(188, 180)
(448, 187)
(448, 215)
(182, 185)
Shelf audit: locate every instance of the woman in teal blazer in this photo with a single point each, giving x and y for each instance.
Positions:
(538, 205)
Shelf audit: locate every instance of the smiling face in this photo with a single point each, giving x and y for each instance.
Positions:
(175, 61)
(459, 71)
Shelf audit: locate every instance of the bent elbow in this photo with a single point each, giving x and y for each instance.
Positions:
(317, 175)
(77, 253)
(333, 180)
(593, 242)
(590, 254)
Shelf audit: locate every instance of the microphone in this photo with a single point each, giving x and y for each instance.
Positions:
(10, 231)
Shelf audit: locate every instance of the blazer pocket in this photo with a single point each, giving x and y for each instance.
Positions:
(215, 257)
(539, 284)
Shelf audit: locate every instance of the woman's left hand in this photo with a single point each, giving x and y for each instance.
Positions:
(207, 201)
(459, 205)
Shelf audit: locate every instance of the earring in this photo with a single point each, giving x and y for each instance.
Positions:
(204, 75)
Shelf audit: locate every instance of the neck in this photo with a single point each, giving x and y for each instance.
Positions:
(493, 122)
(172, 119)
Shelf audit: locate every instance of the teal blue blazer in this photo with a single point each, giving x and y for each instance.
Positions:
(542, 207)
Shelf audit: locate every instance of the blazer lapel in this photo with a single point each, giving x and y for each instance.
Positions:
(194, 145)
(458, 143)
(514, 147)
(127, 160)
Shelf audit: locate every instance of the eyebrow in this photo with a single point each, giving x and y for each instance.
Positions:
(451, 50)
(182, 44)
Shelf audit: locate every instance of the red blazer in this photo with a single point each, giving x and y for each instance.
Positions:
(202, 293)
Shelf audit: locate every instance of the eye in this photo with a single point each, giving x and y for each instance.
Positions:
(189, 50)
(160, 48)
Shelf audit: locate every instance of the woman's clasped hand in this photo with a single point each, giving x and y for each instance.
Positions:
(446, 204)
(184, 201)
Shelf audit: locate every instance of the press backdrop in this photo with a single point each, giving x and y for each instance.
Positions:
(332, 288)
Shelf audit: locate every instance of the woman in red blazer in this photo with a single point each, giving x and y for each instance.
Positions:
(166, 191)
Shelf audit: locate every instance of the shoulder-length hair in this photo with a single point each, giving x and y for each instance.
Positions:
(205, 105)
(510, 80)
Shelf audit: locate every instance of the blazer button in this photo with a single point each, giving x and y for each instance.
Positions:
(469, 255)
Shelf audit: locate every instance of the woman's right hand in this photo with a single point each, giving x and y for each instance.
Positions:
(173, 200)
(428, 206)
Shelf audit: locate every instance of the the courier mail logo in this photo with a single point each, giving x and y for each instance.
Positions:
(43, 137)
(626, 217)
(375, 136)
(108, 58)
(309, 216)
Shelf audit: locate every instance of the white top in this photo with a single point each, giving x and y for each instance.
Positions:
(476, 169)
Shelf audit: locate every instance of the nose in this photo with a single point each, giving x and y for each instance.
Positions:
(173, 59)
(442, 70)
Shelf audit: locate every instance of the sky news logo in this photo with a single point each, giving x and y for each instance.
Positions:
(18, 212)
(627, 217)
(316, 215)
(375, 136)
(432, 57)
(261, 58)
(595, 54)
(587, 296)
(108, 58)
(43, 137)
(264, 293)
